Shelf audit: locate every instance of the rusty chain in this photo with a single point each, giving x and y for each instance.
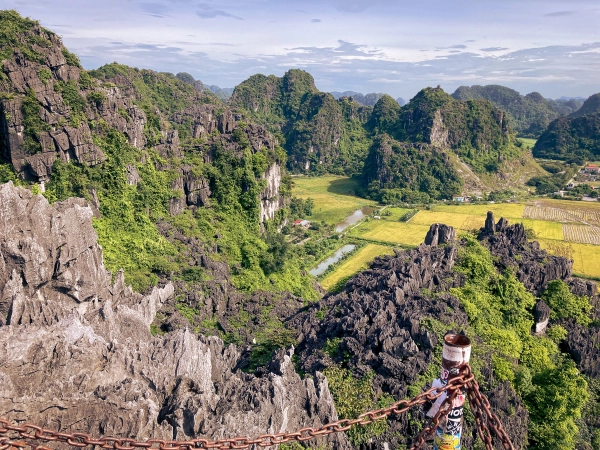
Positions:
(484, 417)
(25, 433)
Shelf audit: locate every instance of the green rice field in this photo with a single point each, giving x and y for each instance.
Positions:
(564, 227)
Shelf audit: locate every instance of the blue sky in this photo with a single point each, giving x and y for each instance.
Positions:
(396, 47)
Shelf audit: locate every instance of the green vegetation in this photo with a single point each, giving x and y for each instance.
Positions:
(571, 139)
(71, 96)
(45, 75)
(96, 97)
(499, 306)
(408, 215)
(7, 174)
(529, 115)
(566, 305)
(408, 173)
(354, 396)
(15, 36)
(32, 123)
(319, 133)
(126, 230)
(71, 58)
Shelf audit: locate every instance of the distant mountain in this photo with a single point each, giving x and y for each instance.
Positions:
(187, 78)
(475, 129)
(364, 99)
(367, 100)
(529, 114)
(590, 106)
(409, 172)
(321, 134)
(566, 105)
(413, 157)
(222, 93)
(573, 139)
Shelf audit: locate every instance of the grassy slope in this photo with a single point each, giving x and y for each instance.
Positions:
(334, 197)
(528, 142)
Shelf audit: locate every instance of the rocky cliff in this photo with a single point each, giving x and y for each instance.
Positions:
(51, 109)
(77, 354)
(49, 103)
(381, 321)
(317, 130)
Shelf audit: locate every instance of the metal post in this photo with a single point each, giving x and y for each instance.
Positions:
(456, 352)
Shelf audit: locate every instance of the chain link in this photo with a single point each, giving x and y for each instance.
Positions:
(484, 417)
(486, 420)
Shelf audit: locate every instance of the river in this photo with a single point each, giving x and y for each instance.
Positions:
(324, 265)
(354, 217)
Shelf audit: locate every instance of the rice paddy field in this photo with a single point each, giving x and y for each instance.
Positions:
(567, 228)
(528, 142)
(333, 196)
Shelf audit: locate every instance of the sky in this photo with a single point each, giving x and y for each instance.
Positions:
(392, 46)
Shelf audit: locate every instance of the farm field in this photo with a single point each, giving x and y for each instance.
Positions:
(563, 227)
(507, 210)
(586, 257)
(355, 263)
(566, 213)
(401, 233)
(543, 228)
(582, 234)
(334, 197)
(456, 220)
(528, 142)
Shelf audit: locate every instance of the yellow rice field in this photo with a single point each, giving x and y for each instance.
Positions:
(393, 232)
(507, 210)
(586, 257)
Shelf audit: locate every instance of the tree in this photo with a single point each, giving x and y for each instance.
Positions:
(565, 304)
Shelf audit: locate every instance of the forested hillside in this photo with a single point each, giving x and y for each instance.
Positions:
(529, 114)
(169, 170)
(435, 124)
(321, 134)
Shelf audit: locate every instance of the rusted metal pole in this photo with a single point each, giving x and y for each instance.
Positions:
(456, 352)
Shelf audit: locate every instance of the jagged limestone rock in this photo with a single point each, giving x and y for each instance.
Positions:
(541, 316)
(440, 234)
(77, 355)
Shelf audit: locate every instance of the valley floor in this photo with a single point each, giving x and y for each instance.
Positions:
(565, 228)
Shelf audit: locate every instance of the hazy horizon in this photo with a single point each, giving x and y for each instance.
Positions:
(551, 47)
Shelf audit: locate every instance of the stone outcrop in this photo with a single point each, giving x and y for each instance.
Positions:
(534, 267)
(47, 251)
(206, 119)
(64, 133)
(583, 343)
(541, 316)
(440, 234)
(76, 352)
(270, 198)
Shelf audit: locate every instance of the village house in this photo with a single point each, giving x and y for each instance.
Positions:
(591, 169)
(302, 223)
